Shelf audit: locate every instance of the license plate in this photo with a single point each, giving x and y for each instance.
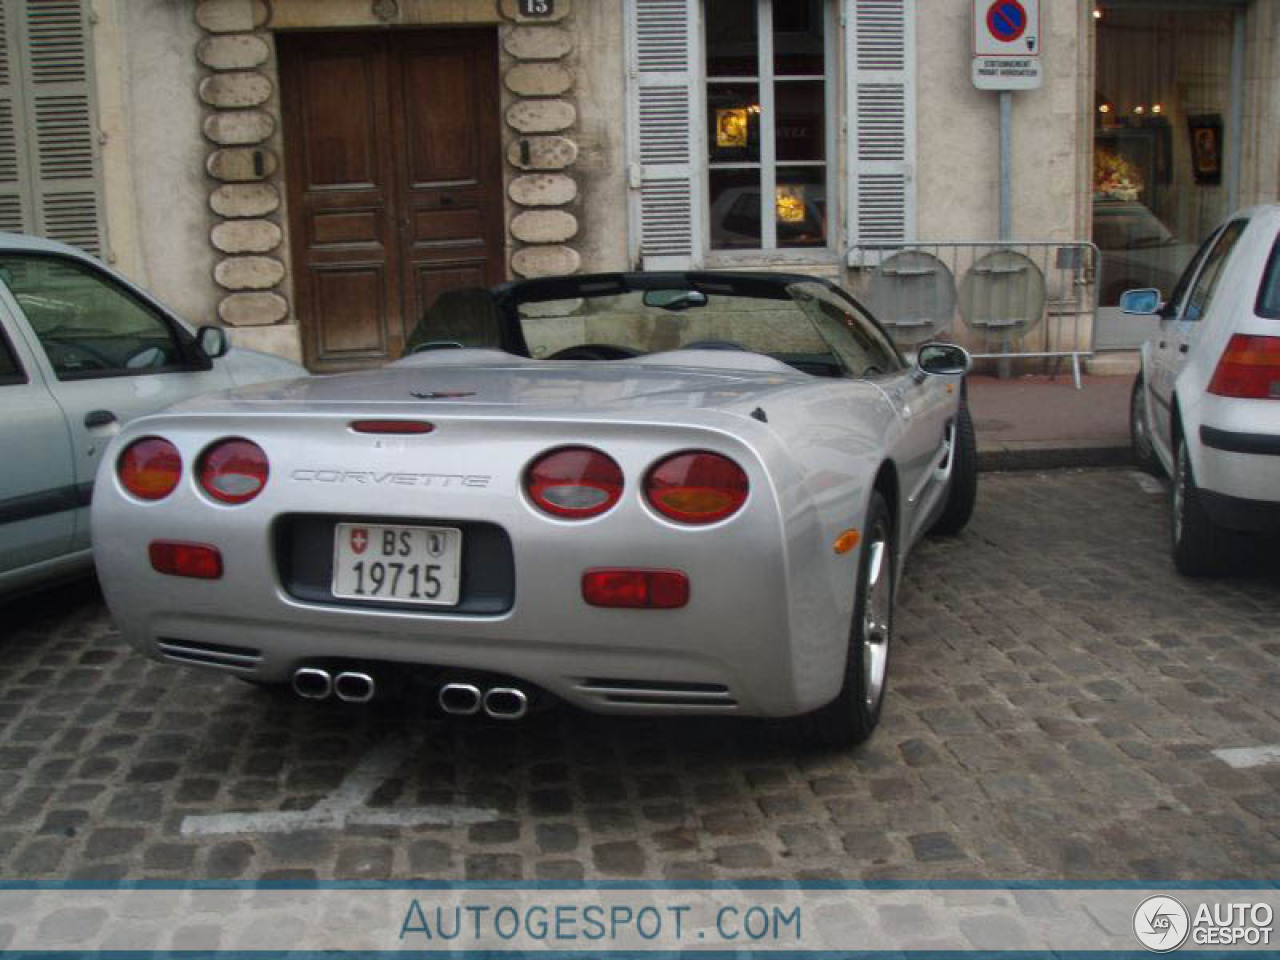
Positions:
(397, 564)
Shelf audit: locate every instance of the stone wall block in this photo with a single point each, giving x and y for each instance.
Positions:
(542, 153)
(231, 127)
(545, 261)
(253, 309)
(244, 200)
(543, 190)
(246, 236)
(544, 226)
(538, 79)
(232, 90)
(538, 43)
(511, 10)
(248, 273)
(542, 116)
(241, 163)
(231, 16)
(238, 51)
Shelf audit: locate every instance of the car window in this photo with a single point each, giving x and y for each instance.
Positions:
(10, 371)
(1184, 281)
(864, 350)
(1269, 293)
(87, 325)
(1207, 281)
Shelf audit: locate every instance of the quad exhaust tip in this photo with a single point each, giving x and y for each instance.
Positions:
(354, 687)
(460, 699)
(311, 683)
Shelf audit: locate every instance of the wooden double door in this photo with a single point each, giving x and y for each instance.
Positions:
(394, 180)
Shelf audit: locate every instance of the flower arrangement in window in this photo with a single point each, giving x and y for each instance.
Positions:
(1114, 177)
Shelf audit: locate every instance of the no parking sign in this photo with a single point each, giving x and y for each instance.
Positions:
(1006, 44)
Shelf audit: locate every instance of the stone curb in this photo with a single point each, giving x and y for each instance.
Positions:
(1035, 456)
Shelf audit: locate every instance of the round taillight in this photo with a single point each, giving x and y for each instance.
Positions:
(150, 468)
(697, 487)
(574, 482)
(233, 471)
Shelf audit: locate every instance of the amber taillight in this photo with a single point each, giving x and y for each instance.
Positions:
(150, 468)
(697, 487)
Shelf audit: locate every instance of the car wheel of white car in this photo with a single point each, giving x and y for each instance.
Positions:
(963, 488)
(852, 716)
(1199, 547)
(1144, 454)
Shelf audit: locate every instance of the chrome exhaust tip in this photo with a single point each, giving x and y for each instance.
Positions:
(459, 699)
(354, 687)
(311, 683)
(506, 703)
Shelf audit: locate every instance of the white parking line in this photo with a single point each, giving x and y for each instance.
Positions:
(1244, 757)
(346, 804)
(1148, 483)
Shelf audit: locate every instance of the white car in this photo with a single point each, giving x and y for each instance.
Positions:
(1206, 405)
(82, 352)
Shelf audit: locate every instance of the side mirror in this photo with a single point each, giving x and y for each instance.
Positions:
(213, 341)
(1141, 303)
(943, 359)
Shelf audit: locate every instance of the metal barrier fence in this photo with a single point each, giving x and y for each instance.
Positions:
(1028, 300)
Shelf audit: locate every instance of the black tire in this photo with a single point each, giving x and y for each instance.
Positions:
(963, 488)
(1144, 453)
(852, 716)
(1200, 547)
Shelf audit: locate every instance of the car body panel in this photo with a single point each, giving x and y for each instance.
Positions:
(766, 627)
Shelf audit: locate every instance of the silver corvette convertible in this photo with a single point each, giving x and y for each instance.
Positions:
(640, 493)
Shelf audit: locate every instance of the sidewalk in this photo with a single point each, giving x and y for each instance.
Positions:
(1033, 422)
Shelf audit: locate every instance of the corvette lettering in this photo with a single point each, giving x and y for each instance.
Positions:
(375, 478)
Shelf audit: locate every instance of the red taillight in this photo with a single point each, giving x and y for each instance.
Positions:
(392, 426)
(697, 487)
(574, 482)
(1250, 367)
(179, 559)
(233, 471)
(640, 589)
(150, 468)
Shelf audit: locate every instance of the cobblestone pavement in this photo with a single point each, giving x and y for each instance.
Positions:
(1057, 695)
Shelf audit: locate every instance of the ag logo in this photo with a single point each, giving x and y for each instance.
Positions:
(1161, 923)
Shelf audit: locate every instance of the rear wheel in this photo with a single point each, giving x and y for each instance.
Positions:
(1200, 548)
(963, 488)
(853, 715)
(1144, 454)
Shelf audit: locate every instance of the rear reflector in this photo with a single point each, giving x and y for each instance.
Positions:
(639, 589)
(150, 468)
(697, 487)
(233, 471)
(574, 482)
(178, 559)
(407, 427)
(1249, 368)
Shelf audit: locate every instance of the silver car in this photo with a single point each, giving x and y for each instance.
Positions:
(639, 493)
(1206, 405)
(82, 352)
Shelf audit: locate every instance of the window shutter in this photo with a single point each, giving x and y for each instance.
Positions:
(662, 118)
(15, 201)
(882, 121)
(61, 147)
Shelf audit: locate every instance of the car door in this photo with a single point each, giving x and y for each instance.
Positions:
(108, 354)
(38, 492)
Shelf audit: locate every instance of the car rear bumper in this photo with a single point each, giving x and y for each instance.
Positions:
(1238, 513)
(1239, 459)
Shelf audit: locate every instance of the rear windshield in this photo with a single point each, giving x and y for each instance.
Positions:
(1269, 293)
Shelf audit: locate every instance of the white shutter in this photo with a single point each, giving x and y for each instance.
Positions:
(882, 120)
(663, 110)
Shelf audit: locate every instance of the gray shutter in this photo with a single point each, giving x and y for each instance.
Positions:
(662, 107)
(62, 140)
(882, 121)
(16, 215)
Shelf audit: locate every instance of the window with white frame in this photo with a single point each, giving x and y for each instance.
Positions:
(769, 123)
(734, 114)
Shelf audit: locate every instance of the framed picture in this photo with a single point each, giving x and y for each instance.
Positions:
(1206, 147)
